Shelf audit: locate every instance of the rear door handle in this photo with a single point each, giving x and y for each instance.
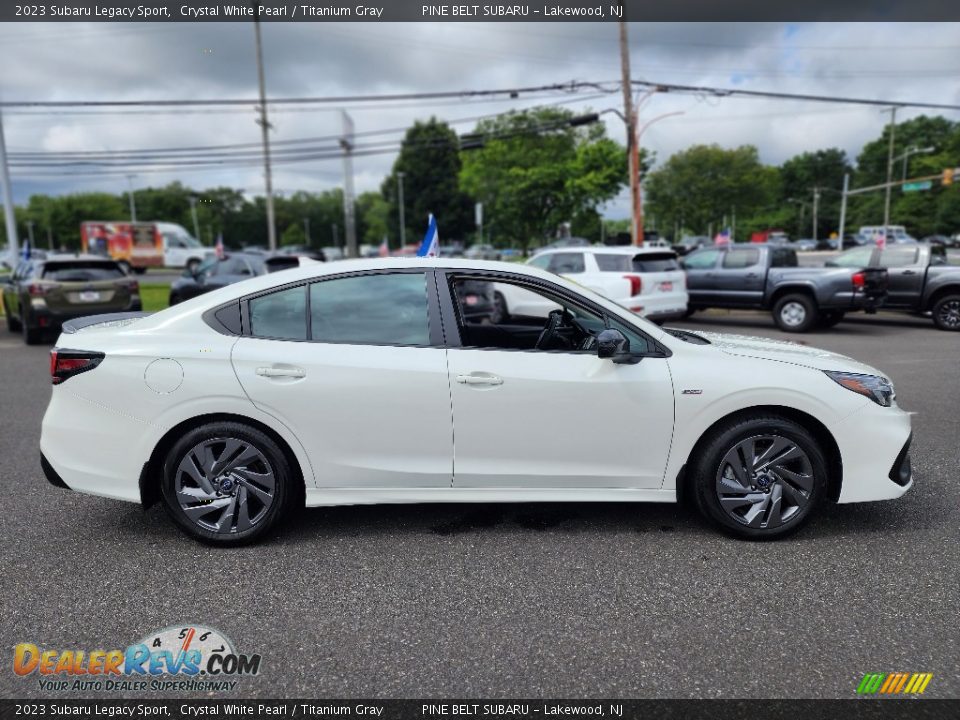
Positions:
(274, 372)
(479, 380)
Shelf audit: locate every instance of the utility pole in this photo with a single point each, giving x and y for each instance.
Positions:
(265, 131)
(349, 218)
(193, 213)
(633, 151)
(133, 202)
(886, 203)
(816, 207)
(843, 206)
(403, 223)
(306, 230)
(336, 235)
(8, 211)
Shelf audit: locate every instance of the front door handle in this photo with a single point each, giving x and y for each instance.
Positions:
(275, 372)
(479, 380)
(909, 272)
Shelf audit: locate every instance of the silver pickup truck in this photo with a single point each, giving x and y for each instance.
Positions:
(766, 277)
(921, 279)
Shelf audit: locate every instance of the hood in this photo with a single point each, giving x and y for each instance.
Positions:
(784, 351)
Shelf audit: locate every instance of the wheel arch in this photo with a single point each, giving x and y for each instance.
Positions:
(793, 289)
(811, 424)
(939, 293)
(152, 473)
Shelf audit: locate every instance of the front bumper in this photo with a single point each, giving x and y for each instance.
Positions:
(874, 449)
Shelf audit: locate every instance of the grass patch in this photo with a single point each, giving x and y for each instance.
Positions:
(154, 296)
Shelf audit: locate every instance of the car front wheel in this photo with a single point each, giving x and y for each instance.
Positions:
(760, 478)
(226, 483)
(946, 312)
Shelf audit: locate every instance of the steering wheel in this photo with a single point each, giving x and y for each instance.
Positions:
(554, 320)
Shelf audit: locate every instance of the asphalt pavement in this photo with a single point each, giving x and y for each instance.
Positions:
(598, 600)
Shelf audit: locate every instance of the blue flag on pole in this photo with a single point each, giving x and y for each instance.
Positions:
(25, 252)
(430, 247)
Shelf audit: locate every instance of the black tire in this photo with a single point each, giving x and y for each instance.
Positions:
(689, 312)
(31, 336)
(13, 325)
(174, 299)
(710, 473)
(795, 313)
(946, 312)
(830, 318)
(286, 492)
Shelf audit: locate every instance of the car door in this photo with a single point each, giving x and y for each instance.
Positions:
(701, 269)
(529, 418)
(905, 275)
(740, 278)
(354, 366)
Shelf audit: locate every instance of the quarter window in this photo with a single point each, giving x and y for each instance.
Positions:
(894, 257)
(566, 263)
(380, 309)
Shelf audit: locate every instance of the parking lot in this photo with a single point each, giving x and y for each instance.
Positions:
(597, 600)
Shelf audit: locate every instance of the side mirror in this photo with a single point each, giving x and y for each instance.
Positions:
(613, 344)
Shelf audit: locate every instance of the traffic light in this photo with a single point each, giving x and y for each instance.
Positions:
(948, 176)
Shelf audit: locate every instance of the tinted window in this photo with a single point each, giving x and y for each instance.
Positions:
(384, 309)
(82, 272)
(701, 260)
(783, 257)
(741, 258)
(280, 315)
(566, 263)
(655, 262)
(894, 257)
(608, 262)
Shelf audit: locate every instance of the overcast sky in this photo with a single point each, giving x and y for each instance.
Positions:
(918, 62)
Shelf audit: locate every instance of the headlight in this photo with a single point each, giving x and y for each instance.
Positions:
(877, 388)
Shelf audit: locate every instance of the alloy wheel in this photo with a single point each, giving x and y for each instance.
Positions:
(225, 485)
(764, 481)
(949, 314)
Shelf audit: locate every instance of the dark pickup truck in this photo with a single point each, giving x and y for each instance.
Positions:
(766, 277)
(920, 279)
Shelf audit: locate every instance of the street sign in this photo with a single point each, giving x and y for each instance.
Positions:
(914, 186)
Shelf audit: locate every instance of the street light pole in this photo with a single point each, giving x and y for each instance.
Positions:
(633, 151)
(403, 224)
(886, 203)
(193, 213)
(133, 202)
(265, 133)
(906, 157)
(8, 211)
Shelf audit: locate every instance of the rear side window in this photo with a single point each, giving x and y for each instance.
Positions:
(562, 263)
(281, 315)
(655, 262)
(381, 309)
(609, 262)
(741, 258)
(82, 272)
(894, 257)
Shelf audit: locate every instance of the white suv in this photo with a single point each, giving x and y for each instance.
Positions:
(645, 280)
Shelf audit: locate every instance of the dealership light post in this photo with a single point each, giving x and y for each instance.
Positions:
(133, 203)
(265, 132)
(8, 211)
(403, 228)
(886, 202)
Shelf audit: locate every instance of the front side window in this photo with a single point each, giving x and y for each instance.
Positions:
(281, 315)
(701, 260)
(380, 309)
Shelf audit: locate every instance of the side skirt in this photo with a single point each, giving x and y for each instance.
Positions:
(323, 497)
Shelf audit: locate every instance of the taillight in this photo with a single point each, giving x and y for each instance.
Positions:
(859, 280)
(38, 290)
(133, 286)
(65, 364)
(636, 284)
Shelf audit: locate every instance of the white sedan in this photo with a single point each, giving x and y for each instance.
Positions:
(362, 382)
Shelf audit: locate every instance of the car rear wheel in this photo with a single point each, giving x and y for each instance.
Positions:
(760, 478)
(31, 336)
(13, 325)
(795, 313)
(946, 312)
(174, 299)
(226, 483)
